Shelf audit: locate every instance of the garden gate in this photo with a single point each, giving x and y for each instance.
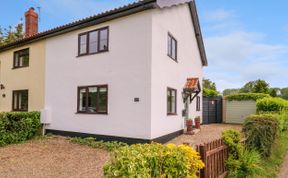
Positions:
(212, 110)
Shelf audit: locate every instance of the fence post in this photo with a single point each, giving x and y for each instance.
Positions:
(202, 150)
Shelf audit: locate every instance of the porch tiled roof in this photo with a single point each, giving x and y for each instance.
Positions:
(192, 84)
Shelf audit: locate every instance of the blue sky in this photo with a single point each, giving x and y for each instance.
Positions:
(245, 40)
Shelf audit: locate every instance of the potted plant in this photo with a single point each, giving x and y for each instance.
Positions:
(189, 125)
(197, 122)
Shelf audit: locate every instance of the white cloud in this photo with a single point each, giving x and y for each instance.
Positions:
(218, 15)
(238, 57)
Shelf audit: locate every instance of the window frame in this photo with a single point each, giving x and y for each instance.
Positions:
(13, 100)
(14, 58)
(170, 39)
(198, 103)
(169, 89)
(86, 95)
(98, 41)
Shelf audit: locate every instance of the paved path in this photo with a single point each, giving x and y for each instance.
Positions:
(284, 168)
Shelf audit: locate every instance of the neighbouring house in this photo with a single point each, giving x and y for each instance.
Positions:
(130, 74)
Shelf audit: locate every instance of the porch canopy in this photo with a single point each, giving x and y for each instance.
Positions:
(191, 89)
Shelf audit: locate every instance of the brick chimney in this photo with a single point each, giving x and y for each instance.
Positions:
(31, 22)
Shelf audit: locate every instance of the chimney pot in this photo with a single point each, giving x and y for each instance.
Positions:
(31, 22)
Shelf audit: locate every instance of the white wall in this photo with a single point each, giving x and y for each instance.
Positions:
(126, 68)
(168, 73)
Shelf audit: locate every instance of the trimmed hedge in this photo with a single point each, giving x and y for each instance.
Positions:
(16, 127)
(246, 96)
(260, 132)
(154, 160)
(271, 105)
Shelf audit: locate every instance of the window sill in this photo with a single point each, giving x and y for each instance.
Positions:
(90, 113)
(171, 114)
(175, 60)
(19, 67)
(89, 54)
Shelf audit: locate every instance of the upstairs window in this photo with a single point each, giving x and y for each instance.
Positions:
(172, 47)
(21, 58)
(93, 42)
(171, 101)
(93, 99)
(20, 100)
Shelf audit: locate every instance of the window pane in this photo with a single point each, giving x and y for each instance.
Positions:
(169, 102)
(23, 100)
(173, 55)
(103, 40)
(93, 42)
(173, 101)
(92, 98)
(169, 46)
(102, 101)
(83, 44)
(82, 99)
(15, 101)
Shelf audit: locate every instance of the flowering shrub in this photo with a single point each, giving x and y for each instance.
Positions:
(154, 160)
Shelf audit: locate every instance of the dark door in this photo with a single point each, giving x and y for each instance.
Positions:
(212, 110)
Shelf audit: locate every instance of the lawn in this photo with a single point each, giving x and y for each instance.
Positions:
(51, 157)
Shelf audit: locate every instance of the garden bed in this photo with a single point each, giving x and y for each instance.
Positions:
(51, 157)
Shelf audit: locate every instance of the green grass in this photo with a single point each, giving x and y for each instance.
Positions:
(271, 165)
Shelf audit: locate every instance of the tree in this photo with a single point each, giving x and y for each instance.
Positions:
(284, 93)
(231, 91)
(208, 84)
(209, 88)
(11, 34)
(261, 86)
(257, 86)
(273, 92)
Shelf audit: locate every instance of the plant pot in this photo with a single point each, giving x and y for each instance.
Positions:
(197, 123)
(189, 125)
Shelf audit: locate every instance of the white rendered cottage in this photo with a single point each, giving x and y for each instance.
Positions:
(120, 75)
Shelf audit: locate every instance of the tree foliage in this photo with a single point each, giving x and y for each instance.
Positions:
(257, 86)
(208, 84)
(11, 34)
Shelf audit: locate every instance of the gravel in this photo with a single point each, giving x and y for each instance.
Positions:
(206, 134)
(51, 157)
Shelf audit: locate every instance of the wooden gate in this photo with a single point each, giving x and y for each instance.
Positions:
(212, 110)
(213, 154)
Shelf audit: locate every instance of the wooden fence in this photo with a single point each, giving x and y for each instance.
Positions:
(213, 154)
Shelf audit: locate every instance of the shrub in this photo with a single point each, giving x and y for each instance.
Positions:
(283, 120)
(271, 105)
(92, 142)
(241, 162)
(210, 93)
(153, 160)
(246, 96)
(260, 132)
(16, 127)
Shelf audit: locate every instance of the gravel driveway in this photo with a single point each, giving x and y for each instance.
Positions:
(206, 134)
(51, 157)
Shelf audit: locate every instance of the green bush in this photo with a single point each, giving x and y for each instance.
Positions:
(241, 162)
(260, 132)
(271, 105)
(210, 93)
(283, 120)
(92, 142)
(16, 127)
(246, 96)
(153, 160)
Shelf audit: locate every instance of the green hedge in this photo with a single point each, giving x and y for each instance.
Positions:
(16, 127)
(154, 160)
(260, 132)
(210, 93)
(271, 105)
(246, 96)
